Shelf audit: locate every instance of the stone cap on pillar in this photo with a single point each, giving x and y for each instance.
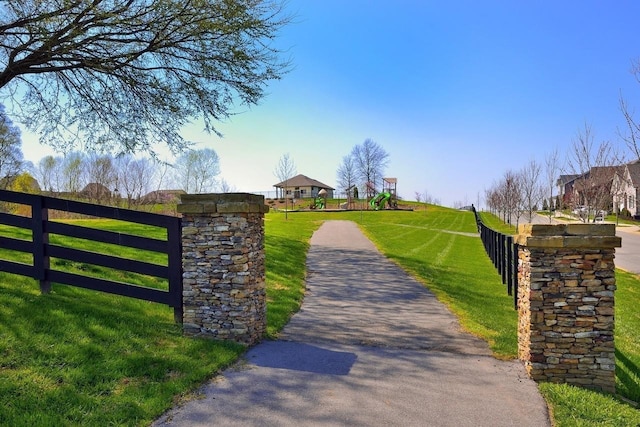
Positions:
(222, 203)
(568, 236)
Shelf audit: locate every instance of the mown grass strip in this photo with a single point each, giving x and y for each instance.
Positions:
(286, 246)
(80, 357)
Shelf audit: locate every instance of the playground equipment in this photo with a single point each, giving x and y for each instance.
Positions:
(387, 196)
(379, 201)
(352, 196)
(320, 201)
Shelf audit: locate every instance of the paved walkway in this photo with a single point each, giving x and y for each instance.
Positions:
(370, 347)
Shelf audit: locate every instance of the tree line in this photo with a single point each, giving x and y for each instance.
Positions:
(125, 180)
(588, 182)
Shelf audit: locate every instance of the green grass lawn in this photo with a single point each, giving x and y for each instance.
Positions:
(573, 406)
(76, 357)
(80, 357)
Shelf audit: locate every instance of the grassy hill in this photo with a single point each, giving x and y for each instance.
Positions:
(80, 357)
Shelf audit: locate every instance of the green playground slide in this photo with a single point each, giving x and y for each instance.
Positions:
(378, 202)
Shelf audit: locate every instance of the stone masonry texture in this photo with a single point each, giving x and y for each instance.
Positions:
(566, 286)
(223, 265)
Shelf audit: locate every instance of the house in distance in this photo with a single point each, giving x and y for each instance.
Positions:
(302, 187)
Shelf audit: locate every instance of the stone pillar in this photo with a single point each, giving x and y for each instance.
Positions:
(223, 266)
(566, 284)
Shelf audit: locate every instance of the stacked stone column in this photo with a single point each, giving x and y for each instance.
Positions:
(223, 266)
(566, 284)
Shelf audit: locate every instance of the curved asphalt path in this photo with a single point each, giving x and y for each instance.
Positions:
(369, 347)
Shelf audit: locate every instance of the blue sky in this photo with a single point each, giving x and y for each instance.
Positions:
(456, 92)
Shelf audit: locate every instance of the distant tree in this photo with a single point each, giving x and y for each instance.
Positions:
(427, 198)
(552, 166)
(632, 136)
(73, 179)
(530, 188)
(25, 183)
(347, 173)
(371, 160)
(596, 165)
(134, 178)
(505, 197)
(102, 174)
(127, 74)
(284, 171)
(46, 171)
(11, 158)
(225, 187)
(196, 170)
(512, 196)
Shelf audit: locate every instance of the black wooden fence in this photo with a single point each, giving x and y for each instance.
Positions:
(504, 253)
(41, 227)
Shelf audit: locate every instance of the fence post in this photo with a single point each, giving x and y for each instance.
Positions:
(223, 266)
(509, 260)
(566, 284)
(41, 261)
(174, 236)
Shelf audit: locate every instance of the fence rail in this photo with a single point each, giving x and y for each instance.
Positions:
(41, 227)
(503, 252)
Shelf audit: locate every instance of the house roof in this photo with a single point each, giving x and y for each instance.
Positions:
(565, 179)
(95, 187)
(634, 173)
(302, 181)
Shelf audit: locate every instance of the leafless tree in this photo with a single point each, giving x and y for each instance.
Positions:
(101, 177)
(284, 171)
(11, 158)
(596, 166)
(426, 198)
(127, 74)
(135, 178)
(226, 187)
(504, 198)
(552, 166)
(347, 173)
(632, 136)
(530, 188)
(196, 170)
(492, 199)
(370, 160)
(511, 196)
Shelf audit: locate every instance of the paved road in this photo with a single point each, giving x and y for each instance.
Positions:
(628, 256)
(370, 347)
